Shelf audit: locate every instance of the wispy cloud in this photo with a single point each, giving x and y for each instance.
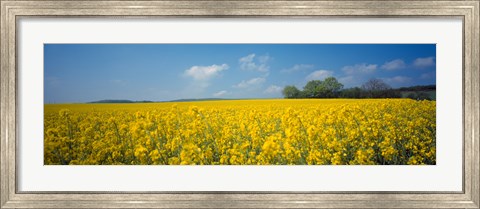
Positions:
(394, 65)
(427, 75)
(259, 64)
(273, 89)
(352, 81)
(297, 68)
(201, 76)
(346, 79)
(254, 82)
(264, 58)
(359, 69)
(203, 73)
(424, 62)
(220, 93)
(397, 80)
(319, 75)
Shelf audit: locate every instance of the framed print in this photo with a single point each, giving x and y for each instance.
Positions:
(239, 104)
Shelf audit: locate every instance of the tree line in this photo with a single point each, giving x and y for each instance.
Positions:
(374, 88)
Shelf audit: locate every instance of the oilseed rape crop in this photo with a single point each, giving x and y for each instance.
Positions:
(242, 132)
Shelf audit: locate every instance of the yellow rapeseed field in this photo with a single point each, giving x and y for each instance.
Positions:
(242, 132)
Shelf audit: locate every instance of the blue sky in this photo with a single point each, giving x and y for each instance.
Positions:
(160, 72)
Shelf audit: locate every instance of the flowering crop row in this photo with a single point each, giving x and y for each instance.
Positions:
(242, 132)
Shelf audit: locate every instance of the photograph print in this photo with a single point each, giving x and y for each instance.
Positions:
(239, 104)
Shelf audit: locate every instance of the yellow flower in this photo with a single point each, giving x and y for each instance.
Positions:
(239, 132)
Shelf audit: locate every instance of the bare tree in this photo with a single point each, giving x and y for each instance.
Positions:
(376, 88)
(375, 84)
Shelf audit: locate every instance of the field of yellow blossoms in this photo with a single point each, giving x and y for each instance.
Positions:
(242, 132)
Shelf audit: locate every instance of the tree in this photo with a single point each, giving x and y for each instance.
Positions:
(291, 92)
(330, 88)
(419, 96)
(376, 88)
(423, 96)
(375, 85)
(412, 95)
(355, 92)
(312, 89)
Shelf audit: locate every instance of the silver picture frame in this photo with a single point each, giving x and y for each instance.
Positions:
(12, 10)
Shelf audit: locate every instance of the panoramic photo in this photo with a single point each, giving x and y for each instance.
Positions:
(239, 104)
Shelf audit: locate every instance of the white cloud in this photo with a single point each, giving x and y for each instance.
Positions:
(427, 75)
(397, 80)
(319, 75)
(203, 73)
(248, 63)
(273, 89)
(248, 58)
(352, 81)
(424, 62)
(346, 79)
(394, 65)
(296, 68)
(264, 58)
(359, 69)
(220, 93)
(250, 83)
